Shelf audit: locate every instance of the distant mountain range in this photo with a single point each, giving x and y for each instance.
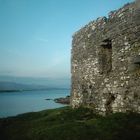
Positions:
(9, 86)
(9, 83)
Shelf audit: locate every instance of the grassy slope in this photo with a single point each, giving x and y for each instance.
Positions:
(69, 124)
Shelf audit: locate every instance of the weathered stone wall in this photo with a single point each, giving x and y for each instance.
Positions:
(106, 63)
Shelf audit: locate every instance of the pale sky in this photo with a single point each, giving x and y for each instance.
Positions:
(35, 35)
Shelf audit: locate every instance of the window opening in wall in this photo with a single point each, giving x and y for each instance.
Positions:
(136, 65)
(137, 60)
(106, 56)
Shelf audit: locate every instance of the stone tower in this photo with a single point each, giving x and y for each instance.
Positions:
(105, 63)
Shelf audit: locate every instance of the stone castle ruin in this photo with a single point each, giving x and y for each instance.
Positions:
(106, 62)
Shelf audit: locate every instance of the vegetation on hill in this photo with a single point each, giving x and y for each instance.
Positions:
(70, 124)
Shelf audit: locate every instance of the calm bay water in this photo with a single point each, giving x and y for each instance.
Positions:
(14, 103)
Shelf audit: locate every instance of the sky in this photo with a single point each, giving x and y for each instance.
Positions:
(36, 35)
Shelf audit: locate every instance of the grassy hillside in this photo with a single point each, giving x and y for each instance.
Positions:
(68, 124)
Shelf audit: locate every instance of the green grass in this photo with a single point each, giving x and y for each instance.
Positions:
(70, 124)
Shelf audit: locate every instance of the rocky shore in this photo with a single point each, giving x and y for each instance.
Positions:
(65, 100)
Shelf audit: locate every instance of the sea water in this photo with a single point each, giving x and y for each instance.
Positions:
(14, 103)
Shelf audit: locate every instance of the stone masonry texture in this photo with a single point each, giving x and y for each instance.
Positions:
(105, 62)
